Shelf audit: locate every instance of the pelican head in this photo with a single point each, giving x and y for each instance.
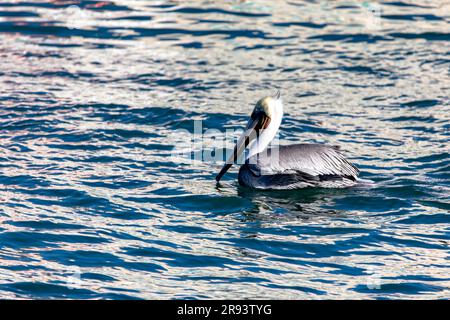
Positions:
(260, 131)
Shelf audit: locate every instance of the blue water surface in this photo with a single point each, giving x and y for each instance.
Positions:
(94, 96)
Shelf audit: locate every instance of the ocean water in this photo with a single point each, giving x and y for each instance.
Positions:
(94, 96)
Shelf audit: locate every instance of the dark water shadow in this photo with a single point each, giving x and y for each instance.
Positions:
(286, 205)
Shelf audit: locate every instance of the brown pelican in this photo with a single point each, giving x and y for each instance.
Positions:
(285, 167)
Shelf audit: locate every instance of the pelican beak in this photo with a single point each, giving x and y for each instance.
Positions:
(258, 121)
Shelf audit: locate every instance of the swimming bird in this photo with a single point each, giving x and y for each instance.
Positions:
(285, 167)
